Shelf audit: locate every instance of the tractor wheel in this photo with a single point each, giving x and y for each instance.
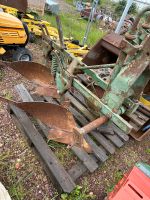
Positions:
(21, 54)
(32, 37)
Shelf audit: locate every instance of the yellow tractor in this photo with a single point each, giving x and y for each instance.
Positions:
(14, 36)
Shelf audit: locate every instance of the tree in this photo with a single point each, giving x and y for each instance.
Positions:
(120, 6)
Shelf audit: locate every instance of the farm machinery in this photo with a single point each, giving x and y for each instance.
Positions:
(38, 27)
(14, 36)
(109, 82)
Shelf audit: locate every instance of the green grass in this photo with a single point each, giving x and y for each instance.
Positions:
(79, 193)
(10, 178)
(8, 95)
(69, 1)
(118, 175)
(147, 151)
(74, 26)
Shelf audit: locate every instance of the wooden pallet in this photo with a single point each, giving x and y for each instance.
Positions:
(102, 144)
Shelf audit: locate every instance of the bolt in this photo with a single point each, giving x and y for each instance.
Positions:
(109, 115)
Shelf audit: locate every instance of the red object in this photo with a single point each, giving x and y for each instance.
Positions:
(134, 186)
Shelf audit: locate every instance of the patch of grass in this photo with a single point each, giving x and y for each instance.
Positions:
(74, 27)
(8, 175)
(79, 193)
(3, 160)
(8, 95)
(147, 151)
(61, 151)
(2, 74)
(16, 188)
(52, 144)
(117, 177)
(64, 155)
(69, 2)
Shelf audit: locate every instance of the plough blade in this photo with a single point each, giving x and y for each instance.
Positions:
(37, 73)
(59, 120)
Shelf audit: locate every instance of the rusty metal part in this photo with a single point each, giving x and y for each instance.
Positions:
(146, 26)
(59, 120)
(92, 125)
(37, 73)
(33, 71)
(47, 91)
(139, 135)
(130, 36)
(80, 132)
(105, 51)
(20, 5)
(137, 20)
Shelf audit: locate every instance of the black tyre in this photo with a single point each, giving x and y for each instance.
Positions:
(21, 54)
(32, 37)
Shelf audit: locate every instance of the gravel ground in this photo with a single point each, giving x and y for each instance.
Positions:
(20, 165)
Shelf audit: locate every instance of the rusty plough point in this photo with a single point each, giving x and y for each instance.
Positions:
(57, 118)
(37, 73)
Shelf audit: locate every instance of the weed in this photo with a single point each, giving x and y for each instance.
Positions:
(117, 177)
(8, 95)
(10, 178)
(147, 151)
(69, 2)
(3, 160)
(64, 155)
(52, 144)
(79, 193)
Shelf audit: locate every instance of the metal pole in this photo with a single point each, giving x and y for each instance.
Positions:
(95, 3)
(125, 12)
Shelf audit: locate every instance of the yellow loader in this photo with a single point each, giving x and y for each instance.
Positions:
(14, 36)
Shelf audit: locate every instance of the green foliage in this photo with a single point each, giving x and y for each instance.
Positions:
(53, 145)
(120, 6)
(117, 177)
(8, 95)
(79, 193)
(14, 185)
(147, 151)
(69, 1)
(74, 27)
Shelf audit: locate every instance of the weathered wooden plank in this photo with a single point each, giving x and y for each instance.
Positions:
(88, 161)
(104, 142)
(80, 107)
(25, 96)
(57, 171)
(97, 150)
(120, 133)
(77, 170)
(115, 140)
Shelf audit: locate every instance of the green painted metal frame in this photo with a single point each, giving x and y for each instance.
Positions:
(129, 74)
